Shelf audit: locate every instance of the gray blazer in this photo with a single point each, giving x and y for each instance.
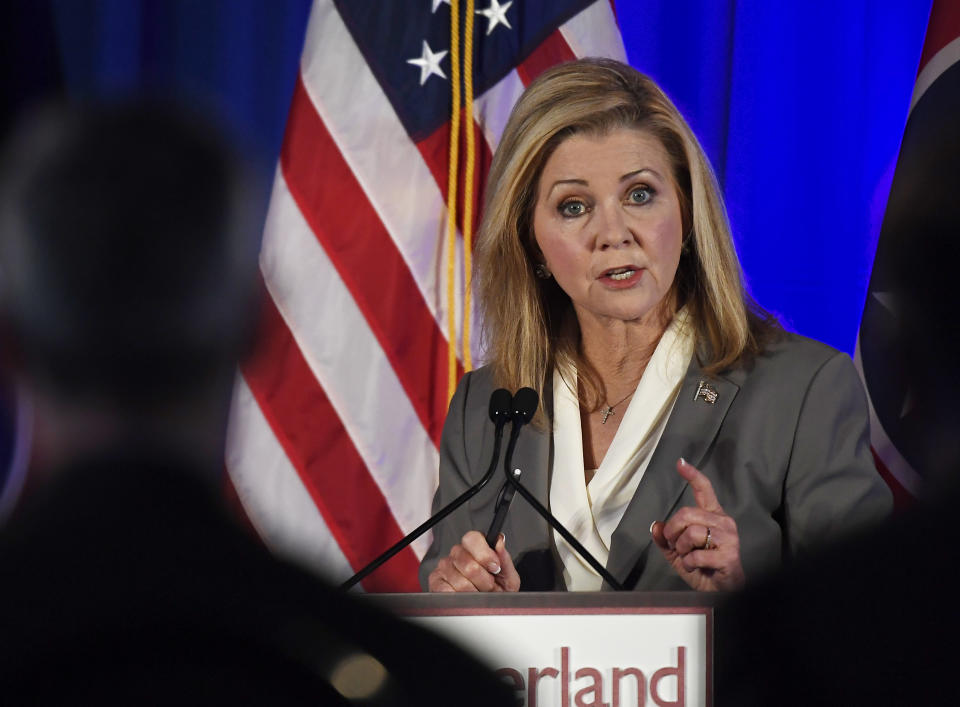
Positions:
(785, 445)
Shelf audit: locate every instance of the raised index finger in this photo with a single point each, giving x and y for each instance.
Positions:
(703, 492)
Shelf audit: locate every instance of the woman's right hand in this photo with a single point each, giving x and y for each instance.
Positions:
(473, 566)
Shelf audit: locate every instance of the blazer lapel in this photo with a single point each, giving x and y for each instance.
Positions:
(689, 433)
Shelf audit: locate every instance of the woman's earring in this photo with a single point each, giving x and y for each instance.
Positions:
(541, 271)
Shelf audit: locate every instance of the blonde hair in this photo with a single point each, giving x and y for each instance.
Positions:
(529, 323)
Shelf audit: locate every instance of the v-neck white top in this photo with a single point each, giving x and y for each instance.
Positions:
(591, 512)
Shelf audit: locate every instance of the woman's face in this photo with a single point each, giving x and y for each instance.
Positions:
(607, 220)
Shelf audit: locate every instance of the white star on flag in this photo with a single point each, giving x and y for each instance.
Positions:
(438, 3)
(496, 14)
(429, 63)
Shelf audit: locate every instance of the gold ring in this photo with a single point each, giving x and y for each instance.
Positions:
(706, 543)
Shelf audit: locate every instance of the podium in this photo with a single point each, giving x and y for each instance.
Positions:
(597, 649)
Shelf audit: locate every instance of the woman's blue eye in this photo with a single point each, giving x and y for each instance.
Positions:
(572, 208)
(641, 195)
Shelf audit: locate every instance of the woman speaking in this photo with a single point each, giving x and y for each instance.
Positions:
(685, 439)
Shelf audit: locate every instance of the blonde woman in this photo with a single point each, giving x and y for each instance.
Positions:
(684, 438)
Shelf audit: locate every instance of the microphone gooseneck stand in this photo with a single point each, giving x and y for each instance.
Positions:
(500, 413)
(523, 410)
(504, 498)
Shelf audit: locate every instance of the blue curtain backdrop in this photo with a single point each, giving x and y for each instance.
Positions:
(800, 106)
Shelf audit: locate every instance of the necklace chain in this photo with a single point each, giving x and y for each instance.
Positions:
(621, 399)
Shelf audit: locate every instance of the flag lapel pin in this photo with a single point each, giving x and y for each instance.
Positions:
(706, 392)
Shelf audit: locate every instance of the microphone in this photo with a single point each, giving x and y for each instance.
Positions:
(500, 411)
(523, 407)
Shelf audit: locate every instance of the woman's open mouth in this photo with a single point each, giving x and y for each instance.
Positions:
(621, 276)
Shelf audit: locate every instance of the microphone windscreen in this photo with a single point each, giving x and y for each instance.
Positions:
(500, 401)
(524, 405)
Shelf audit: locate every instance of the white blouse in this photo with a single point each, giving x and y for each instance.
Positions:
(591, 512)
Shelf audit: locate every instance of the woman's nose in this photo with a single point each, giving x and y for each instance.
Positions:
(612, 230)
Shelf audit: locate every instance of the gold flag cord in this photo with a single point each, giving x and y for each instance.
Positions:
(452, 183)
(452, 171)
(468, 183)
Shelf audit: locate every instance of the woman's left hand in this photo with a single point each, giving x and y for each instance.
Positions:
(701, 543)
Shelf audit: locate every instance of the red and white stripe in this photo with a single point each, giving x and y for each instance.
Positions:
(333, 437)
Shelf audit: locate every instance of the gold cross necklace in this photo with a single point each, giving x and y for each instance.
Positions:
(608, 411)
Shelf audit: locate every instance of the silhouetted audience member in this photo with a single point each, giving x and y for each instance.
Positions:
(874, 621)
(128, 277)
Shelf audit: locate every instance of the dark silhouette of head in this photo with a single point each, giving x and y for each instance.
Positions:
(126, 260)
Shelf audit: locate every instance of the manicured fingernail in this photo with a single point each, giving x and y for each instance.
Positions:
(651, 526)
(503, 538)
(494, 568)
(683, 461)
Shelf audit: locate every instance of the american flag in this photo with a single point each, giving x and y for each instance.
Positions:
(332, 447)
(896, 426)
